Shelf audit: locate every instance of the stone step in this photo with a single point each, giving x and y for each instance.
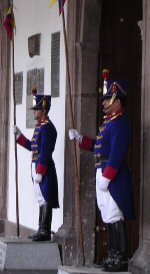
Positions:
(83, 270)
(17, 254)
(29, 272)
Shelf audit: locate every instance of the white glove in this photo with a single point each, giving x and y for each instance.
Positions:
(16, 131)
(102, 182)
(38, 178)
(74, 134)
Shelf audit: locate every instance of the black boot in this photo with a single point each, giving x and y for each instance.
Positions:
(44, 232)
(119, 260)
(111, 250)
(40, 218)
(110, 255)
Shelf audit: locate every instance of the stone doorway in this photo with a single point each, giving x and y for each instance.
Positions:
(121, 52)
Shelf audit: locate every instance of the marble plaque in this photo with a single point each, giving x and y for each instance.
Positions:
(34, 44)
(55, 64)
(18, 87)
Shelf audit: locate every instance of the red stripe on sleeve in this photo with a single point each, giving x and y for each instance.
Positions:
(87, 143)
(22, 140)
(110, 172)
(41, 169)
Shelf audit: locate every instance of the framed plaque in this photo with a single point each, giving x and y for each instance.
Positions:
(18, 77)
(55, 64)
(34, 44)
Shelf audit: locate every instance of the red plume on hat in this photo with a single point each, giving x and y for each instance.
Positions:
(34, 90)
(105, 75)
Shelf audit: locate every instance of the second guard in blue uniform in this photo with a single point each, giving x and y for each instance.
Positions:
(114, 189)
(44, 174)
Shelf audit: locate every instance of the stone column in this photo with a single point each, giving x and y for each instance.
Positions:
(83, 41)
(4, 107)
(140, 262)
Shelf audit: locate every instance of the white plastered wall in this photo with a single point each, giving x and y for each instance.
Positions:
(35, 16)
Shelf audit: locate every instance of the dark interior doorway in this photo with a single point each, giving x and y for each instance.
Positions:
(121, 52)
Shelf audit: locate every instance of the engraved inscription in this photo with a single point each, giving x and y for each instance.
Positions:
(18, 77)
(55, 64)
(34, 44)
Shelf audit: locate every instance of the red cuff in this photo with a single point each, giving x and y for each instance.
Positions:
(110, 172)
(41, 169)
(22, 140)
(87, 143)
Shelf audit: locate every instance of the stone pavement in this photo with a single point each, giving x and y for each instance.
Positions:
(63, 270)
(29, 272)
(84, 270)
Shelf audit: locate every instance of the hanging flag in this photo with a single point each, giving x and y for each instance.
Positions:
(9, 23)
(61, 4)
(52, 2)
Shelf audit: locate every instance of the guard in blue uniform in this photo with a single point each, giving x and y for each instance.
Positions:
(44, 175)
(114, 190)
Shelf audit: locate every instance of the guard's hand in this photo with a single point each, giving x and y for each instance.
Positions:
(16, 131)
(101, 181)
(38, 178)
(74, 134)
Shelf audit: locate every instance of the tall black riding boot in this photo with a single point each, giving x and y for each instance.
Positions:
(111, 250)
(120, 256)
(40, 218)
(45, 224)
(110, 255)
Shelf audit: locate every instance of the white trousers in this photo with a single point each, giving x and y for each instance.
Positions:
(110, 211)
(37, 191)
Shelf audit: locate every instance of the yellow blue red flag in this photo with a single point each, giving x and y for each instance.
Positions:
(9, 23)
(52, 2)
(61, 4)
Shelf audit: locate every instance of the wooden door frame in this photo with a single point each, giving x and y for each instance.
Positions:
(133, 226)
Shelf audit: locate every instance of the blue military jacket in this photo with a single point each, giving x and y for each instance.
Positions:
(42, 146)
(110, 149)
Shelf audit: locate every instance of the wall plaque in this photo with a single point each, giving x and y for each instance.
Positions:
(35, 78)
(18, 87)
(34, 44)
(55, 63)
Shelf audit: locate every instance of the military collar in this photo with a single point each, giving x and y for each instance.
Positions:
(112, 116)
(43, 121)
